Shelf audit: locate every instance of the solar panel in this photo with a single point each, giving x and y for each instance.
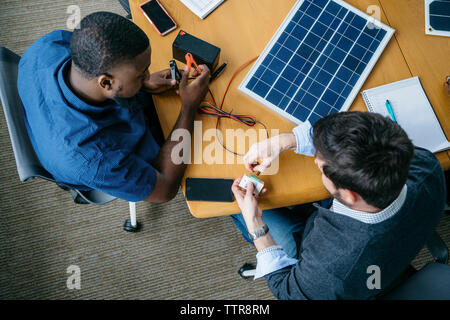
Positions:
(317, 60)
(437, 17)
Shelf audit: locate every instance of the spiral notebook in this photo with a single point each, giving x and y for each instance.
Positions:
(412, 110)
(202, 8)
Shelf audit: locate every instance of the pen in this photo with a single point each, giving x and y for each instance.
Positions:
(218, 72)
(389, 109)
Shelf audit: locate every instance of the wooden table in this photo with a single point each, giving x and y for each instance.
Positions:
(242, 28)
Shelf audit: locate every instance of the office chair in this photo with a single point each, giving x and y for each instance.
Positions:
(27, 163)
(432, 282)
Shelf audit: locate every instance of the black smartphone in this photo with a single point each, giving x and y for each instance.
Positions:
(158, 17)
(208, 189)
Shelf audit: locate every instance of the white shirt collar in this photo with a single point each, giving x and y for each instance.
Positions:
(371, 218)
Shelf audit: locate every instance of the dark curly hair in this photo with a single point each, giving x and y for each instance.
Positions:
(365, 153)
(103, 40)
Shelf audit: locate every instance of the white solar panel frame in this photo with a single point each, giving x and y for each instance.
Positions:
(348, 102)
(428, 28)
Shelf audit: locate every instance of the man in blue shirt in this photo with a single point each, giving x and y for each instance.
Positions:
(86, 95)
(388, 200)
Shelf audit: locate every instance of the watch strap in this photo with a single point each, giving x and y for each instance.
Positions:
(259, 232)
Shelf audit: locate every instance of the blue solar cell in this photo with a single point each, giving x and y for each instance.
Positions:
(320, 3)
(284, 102)
(321, 45)
(331, 66)
(299, 96)
(374, 46)
(292, 90)
(276, 47)
(290, 27)
(301, 113)
(307, 83)
(312, 40)
(313, 118)
(289, 73)
(338, 55)
(282, 85)
(299, 32)
(305, 5)
(365, 40)
(339, 103)
(259, 72)
(316, 89)
(323, 77)
(353, 79)
(267, 60)
(337, 85)
(328, 34)
(300, 77)
(359, 22)
(341, 14)
(358, 51)
(321, 61)
(349, 17)
(336, 38)
(282, 38)
(351, 63)
(381, 34)
(276, 65)
(330, 97)
(344, 74)
(347, 90)
(305, 51)
(314, 72)
(367, 57)
(352, 33)
(371, 30)
(360, 68)
(313, 10)
(309, 101)
(284, 54)
(291, 107)
(251, 83)
(345, 44)
(291, 43)
(261, 89)
(314, 55)
(306, 22)
(319, 29)
(274, 97)
(322, 108)
(297, 16)
(326, 18)
(335, 24)
(333, 8)
(268, 76)
(297, 62)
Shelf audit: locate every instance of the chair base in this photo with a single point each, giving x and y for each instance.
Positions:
(247, 271)
(130, 228)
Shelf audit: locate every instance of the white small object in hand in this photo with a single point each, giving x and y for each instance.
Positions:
(257, 183)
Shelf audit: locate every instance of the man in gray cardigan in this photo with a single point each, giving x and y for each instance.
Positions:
(388, 198)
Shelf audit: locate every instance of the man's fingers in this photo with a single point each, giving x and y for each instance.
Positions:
(184, 77)
(250, 188)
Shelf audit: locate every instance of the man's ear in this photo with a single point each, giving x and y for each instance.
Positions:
(349, 197)
(106, 82)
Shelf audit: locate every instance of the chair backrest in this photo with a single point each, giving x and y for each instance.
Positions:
(28, 165)
(432, 282)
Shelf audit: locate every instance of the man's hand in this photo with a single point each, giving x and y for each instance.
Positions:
(192, 94)
(248, 203)
(159, 82)
(267, 151)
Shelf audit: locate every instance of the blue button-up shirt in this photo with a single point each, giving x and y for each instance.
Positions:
(107, 148)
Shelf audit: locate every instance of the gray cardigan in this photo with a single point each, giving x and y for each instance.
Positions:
(336, 250)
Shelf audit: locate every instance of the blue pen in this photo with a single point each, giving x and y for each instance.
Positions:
(389, 109)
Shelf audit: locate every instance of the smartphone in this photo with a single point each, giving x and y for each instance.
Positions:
(158, 17)
(207, 189)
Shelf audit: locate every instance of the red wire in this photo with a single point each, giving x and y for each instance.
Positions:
(211, 109)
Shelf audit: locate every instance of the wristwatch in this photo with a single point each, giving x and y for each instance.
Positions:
(259, 232)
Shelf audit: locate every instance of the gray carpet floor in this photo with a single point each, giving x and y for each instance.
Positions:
(42, 232)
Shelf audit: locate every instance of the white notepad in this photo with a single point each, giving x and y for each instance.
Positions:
(202, 7)
(412, 110)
